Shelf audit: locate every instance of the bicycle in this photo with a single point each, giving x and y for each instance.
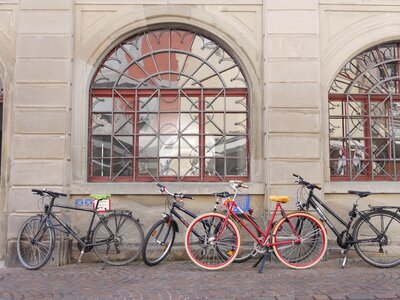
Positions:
(160, 238)
(117, 238)
(376, 231)
(298, 239)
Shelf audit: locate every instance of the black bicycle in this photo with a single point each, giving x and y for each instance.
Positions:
(375, 232)
(161, 236)
(117, 238)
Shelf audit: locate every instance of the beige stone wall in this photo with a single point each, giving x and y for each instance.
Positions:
(289, 50)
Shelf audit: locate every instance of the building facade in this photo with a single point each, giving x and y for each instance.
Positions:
(113, 96)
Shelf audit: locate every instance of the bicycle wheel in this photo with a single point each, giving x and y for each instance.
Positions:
(158, 242)
(309, 250)
(212, 241)
(118, 239)
(378, 238)
(35, 242)
(247, 248)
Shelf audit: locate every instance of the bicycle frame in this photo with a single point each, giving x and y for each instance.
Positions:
(263, 241)
(69, 229)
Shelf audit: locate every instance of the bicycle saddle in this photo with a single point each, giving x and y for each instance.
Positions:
(281, 199)
(360, 193)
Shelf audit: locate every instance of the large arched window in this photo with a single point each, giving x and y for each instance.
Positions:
(364, 116)
(168, 104)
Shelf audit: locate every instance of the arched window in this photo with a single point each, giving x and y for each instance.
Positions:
(168, 104)
(364, 116)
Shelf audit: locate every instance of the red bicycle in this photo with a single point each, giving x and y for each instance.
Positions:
(298, 239)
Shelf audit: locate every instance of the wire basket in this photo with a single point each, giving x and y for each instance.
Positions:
(243, 201)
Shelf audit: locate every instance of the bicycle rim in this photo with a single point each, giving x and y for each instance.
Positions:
(158, 243)
(313, 240)
(35, 243)
(378, 238)
(210, 244)
(124, 243)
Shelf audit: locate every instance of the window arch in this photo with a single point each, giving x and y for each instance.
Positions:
(364, 116)
(168, 104)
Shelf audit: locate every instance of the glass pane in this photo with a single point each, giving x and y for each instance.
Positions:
(169, 145)
(102, 104)
(189, 123)
(189, 146)
(122, 146)
(189, 167)
(215, 146)
(215, 103)
(123, 103)
(123, 124)
(236, 166)
(215, 123)
(237, 104)
(100, 167)
(148, 123)
(101, 146)
(148, 146)
(236, 146)
(122, 167)
(101, 123)
(169, 167)
(236, 123)
(148, 167)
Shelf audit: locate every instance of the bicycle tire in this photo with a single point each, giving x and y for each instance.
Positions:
(209, 244)
(158, 242)
(118, 239)
(247, 248)
(35, 254)
(313, 243)
(382, 253)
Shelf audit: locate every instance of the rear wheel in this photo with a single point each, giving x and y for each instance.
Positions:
(35, 242)
(212, 241)
(378, 238)
(301, 240)
(158, 243)
(118, 239)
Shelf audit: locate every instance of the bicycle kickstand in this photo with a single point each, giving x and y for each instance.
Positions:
(344, 259)
(266, 256)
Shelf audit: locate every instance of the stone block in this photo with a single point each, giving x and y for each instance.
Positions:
(297, 147)
(293, 95)
(40, 122)
(292, 4)
(45, 173)
(44, 46)
(295, 21)
(281, 171)
(293, 71)
(41, 147)
(42, 71)
(45, 4)
(294, 121)
(49, 95)
(292, 46)
(45, 21)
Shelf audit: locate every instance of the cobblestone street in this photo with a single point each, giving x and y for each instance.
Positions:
(184, 280)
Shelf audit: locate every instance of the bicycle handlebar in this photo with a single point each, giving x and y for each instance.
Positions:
(50, 193)
(179, 195)
(307, 184)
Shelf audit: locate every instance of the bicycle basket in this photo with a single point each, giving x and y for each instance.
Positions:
(243, 201)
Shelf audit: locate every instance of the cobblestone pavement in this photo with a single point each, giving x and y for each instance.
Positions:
(184, 280)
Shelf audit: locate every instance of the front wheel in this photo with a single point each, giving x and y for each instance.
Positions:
(35, 242)
(118, 239)
(300, 240)
(158, 242)
(377, 237)
(212, 241)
